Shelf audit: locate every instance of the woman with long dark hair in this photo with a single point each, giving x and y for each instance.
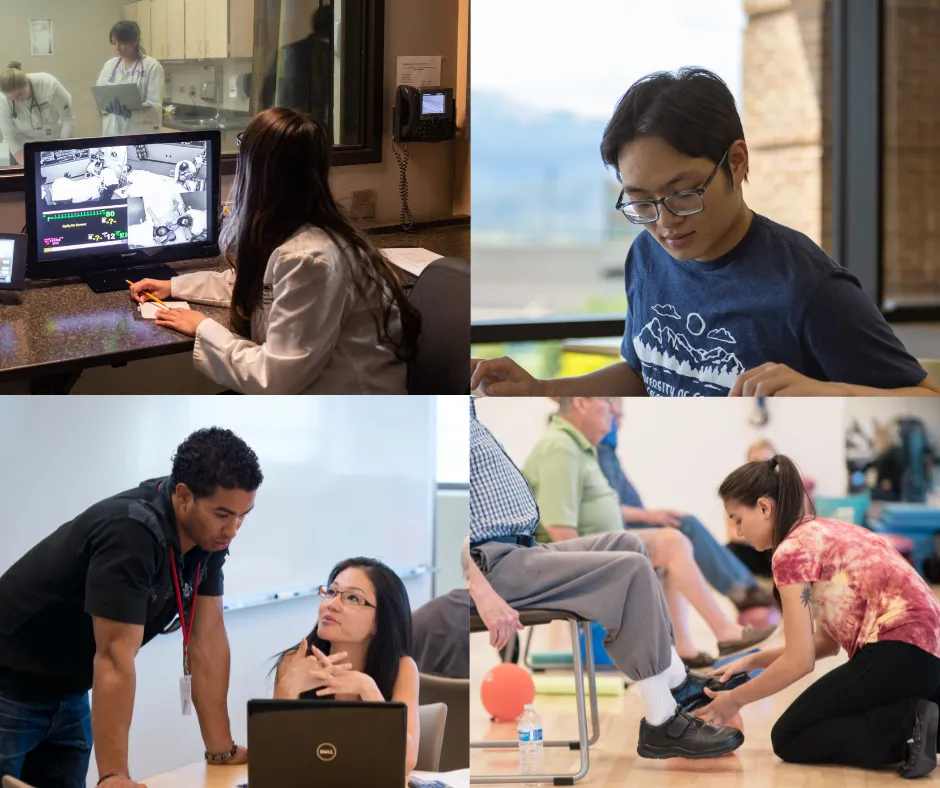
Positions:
(839, 586)
(314, 307)
(360, 647)
(131, 64)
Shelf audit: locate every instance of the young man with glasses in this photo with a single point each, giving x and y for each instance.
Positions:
(721, 300)
(75, 610)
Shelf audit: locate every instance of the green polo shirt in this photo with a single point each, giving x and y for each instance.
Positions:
(568, 483)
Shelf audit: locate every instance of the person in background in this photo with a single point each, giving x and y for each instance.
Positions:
(37, 107)
(441, 627)
(314, 307)
(575, 500)
(360, 648)
(840, 586)
(76, 609)
(132, 65)
(721, 568)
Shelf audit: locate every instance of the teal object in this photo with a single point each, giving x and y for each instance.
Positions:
(550, 658)
(848, 508)
(601, 658)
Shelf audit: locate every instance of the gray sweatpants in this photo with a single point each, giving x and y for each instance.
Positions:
(607, 578)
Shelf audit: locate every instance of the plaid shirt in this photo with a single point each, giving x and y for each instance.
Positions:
(501, 503)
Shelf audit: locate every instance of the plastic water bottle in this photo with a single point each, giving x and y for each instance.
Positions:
(529, 729)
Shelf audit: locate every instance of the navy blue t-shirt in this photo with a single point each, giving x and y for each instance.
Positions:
(693, 327)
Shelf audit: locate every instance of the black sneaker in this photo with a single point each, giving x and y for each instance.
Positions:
(922, 751)
(691, 692)
(685, 736)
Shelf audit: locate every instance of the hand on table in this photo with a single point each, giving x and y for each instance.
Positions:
(120, 781)
(158, 287)
(186, 321)
(778, 380)
(502, 377)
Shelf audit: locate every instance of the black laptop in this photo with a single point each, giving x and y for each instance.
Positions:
(313, 743)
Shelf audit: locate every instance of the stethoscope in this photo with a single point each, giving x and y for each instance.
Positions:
(33, 105)
(137, 64)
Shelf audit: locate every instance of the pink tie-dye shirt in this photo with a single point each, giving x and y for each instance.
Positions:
(863, 591)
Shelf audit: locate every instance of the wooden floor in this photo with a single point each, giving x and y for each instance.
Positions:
(614, 761)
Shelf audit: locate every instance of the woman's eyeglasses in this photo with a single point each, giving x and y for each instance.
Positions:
(350, 598)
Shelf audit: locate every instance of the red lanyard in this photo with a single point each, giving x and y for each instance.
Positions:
(187, 631)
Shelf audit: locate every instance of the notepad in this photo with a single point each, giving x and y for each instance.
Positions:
(149, 309)
(412, 259)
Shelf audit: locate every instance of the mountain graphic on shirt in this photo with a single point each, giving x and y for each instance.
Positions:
(661, 346)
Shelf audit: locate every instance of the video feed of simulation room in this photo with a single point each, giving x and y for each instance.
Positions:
(137, 196)
(6, 261)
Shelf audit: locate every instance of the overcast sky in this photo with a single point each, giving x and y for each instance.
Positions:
(582, 55)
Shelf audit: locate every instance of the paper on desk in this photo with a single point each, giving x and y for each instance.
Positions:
(422, 72)
(455, 779)
(149, 309)
(412, 259)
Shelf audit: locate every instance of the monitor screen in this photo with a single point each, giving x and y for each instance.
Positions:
(119, 202)
(6, 260)
(432, 104)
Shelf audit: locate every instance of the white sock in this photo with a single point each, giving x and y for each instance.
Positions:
(658, 703)
(675, 673)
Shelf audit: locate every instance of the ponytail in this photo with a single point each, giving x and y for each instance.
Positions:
(12, 77)
(778, 479)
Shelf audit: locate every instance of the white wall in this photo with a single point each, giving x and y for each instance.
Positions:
(678, 453)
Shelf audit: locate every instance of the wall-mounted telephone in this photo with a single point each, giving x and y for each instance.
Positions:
(423, 114)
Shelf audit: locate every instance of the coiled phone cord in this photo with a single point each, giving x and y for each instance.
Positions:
(407, 221)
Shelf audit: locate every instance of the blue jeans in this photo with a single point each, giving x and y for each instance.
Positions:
(46, 743)
(722, 569)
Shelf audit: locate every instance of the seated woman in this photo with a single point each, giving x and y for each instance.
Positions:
(314, 307)
(360, 647)
(841, 586)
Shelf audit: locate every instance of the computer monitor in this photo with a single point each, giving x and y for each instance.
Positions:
(116, 208)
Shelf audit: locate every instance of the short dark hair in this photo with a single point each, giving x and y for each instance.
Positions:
(215, 457)
(691, 110)
(126, 32)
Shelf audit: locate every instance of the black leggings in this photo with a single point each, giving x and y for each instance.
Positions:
(861, 713)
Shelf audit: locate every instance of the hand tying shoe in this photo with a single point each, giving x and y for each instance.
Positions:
(685, 736)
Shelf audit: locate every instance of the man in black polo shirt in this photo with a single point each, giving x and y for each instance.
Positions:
(78, 606)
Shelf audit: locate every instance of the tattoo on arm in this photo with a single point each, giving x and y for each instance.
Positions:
(806, 596)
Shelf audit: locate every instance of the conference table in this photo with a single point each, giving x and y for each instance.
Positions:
(199, 775)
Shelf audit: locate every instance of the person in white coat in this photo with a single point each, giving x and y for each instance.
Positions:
(314, 308)
(133, 65)
(35, 107)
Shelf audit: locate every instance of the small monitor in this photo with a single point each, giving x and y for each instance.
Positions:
(12, 261)
(116, 208)
(433, 102)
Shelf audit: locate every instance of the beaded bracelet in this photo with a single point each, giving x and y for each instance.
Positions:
(224, 756)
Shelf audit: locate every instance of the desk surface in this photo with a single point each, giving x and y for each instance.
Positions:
(62, 329)
(198, 775)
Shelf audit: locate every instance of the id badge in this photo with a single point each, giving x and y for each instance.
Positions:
(186, 696)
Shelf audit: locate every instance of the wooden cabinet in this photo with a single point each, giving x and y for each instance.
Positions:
(195, 30)
(158, 29)
(175, 30)
(130, 12)
(143, 21)
(216, 28)
(242, 27)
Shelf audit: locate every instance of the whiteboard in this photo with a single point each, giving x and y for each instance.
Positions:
(343, 476)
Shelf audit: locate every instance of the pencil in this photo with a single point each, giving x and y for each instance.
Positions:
(150, 295)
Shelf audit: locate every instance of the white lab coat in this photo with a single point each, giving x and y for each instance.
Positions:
(312, 335)
(52, 101)
(148, 75)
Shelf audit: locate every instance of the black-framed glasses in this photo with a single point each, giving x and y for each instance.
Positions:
(684, 203)
(349, 598)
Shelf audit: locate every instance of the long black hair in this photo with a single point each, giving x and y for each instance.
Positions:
(282, 183)
(393, 637)
(779, 480)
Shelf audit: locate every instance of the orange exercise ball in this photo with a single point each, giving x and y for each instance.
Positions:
(505, 691)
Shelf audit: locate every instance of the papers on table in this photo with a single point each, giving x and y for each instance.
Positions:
(411, 259)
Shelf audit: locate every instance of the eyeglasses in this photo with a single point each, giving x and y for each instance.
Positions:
(684, 203)
(350, 598)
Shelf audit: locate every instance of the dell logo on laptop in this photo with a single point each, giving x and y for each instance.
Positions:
(326, 752)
